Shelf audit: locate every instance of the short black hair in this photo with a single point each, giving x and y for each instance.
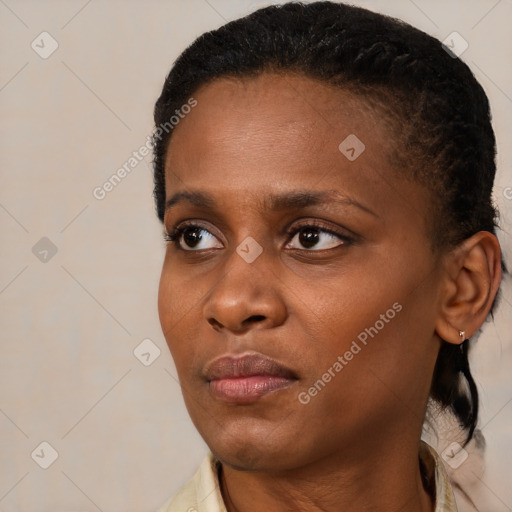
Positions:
(439, 110)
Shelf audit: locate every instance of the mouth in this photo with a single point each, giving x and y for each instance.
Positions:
(247, 379)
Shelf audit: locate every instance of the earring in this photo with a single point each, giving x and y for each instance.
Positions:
(462, 336)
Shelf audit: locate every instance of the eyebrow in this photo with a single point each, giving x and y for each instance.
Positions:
(274, 202)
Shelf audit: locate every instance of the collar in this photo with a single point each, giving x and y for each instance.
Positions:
(202, 492)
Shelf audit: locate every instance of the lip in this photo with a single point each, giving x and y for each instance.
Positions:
(247, 378)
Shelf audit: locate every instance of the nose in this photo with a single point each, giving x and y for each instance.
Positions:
(248, 296)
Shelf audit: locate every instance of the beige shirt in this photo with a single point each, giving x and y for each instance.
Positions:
(202, 492)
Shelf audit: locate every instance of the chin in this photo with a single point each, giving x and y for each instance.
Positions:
(249, 449)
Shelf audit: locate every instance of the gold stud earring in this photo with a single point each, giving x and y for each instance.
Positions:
(462, 335)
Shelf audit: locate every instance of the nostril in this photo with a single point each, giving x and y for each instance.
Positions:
(216, 325)
(256, 318)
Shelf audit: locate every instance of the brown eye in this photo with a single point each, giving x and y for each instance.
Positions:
(315, 238)
(309, 237)
(193, 238)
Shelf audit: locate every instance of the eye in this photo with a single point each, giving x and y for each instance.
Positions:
(192, 237)
(315, 237)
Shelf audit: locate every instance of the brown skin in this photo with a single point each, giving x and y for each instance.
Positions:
(354, 446)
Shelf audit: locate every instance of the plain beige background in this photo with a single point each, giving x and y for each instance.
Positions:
(70, 321)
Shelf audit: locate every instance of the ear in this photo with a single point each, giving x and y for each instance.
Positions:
(472, 278)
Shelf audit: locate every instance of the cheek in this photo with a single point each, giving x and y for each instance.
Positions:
(179, 304)
(344, 309)
(166, 309)
(378, 321)
(176, 295)
(173, 304)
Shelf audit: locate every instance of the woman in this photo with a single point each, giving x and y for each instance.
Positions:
(325, 190)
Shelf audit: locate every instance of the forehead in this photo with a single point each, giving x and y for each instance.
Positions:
(246, 139)
(275, 122)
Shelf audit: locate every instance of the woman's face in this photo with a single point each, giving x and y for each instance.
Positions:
(300, 307)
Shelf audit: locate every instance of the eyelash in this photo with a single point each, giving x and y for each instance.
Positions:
(174, 236)
(291, 232)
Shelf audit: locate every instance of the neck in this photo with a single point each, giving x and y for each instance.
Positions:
(387, 479)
